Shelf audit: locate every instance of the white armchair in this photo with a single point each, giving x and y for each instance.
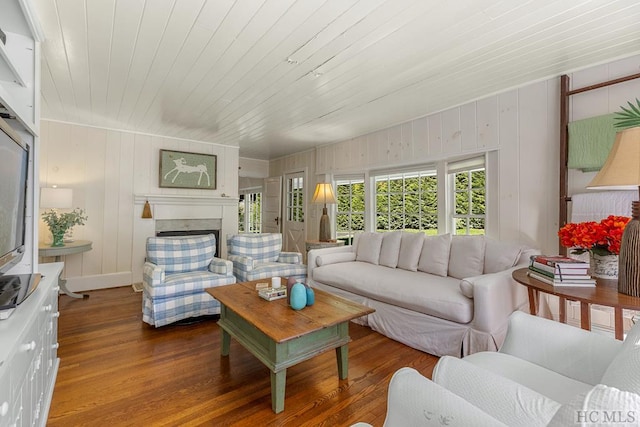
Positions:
(546, 374)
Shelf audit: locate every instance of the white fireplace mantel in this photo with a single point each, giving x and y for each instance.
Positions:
(175, 199)
(179, 207)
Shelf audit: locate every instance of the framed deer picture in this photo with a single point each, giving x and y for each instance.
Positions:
(179, 169)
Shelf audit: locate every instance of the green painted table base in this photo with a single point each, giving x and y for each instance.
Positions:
(279, 356)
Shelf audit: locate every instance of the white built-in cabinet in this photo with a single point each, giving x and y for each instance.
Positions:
(28, 354)
(29, 337)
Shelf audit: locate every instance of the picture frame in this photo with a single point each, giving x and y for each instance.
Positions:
(181, 169)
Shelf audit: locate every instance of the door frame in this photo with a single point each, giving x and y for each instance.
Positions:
(305, 205)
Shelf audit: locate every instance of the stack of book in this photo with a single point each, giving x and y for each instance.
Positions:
(560, 271)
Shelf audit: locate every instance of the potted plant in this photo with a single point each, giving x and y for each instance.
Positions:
(601, 239)
(60, 223)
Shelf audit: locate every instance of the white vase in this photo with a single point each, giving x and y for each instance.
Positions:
(604, 266)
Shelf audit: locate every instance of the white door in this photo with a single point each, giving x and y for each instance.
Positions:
(271, 204)
(294, 234)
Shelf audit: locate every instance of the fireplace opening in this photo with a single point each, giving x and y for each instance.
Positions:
(188, 233)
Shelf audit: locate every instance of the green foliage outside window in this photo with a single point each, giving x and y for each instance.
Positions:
(470, 202)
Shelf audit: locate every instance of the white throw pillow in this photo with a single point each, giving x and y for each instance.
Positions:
(334, 258)
(624, 371)
(390, 249)
(467, 256)
(410, 249)
(601, 405)
(434, 258)
(369, 247)
(500, 256)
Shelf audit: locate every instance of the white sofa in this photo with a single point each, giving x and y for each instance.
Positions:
(440, 294)
(546, 374)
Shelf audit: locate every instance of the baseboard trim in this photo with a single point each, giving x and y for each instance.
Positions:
(99, 281)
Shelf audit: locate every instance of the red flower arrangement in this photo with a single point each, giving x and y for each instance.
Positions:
(602, 238)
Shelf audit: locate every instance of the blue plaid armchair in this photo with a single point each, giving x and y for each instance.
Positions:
(175, 275)
(258, 256)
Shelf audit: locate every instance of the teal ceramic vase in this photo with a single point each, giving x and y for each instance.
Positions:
(298, 296)
(311, 296)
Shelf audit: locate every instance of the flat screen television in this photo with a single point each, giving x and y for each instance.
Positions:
(14, 165)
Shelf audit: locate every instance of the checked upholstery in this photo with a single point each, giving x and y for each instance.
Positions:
(259, 256)
(175, 275)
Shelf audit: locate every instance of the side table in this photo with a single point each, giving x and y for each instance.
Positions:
(604, 293)
(317, 244)
(71, 248)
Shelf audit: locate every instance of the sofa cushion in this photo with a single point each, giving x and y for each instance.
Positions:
(390, 249)
(500, 256)
(544, 381)
(368, 249)
(410, 249)
(624, 371)
(181, 255)
(336, 257)
(601, 405)
(434, 257)
(425, 293)
(467, 256)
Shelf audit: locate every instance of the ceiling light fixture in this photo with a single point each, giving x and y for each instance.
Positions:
(292, 61)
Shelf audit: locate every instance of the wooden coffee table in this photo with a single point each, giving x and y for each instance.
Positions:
(280, 336)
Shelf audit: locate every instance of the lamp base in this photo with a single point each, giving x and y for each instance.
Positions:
(629, 262)
(325, 227)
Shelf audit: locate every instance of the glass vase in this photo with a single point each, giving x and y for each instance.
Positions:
(58, 239)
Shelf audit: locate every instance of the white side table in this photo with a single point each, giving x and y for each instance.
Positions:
(71, 248)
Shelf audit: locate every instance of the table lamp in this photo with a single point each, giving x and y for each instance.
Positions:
(324, 194)
(56, 198)
(621, 171)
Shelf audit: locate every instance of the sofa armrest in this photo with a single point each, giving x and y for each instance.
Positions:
(241, 262)
(221, 266)
(152, 274)
(415, 400)
(313, 255)
(290, 257)
(495, 297)
(508, 401)
(566, 349)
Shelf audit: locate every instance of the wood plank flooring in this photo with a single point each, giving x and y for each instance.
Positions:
(116, 370)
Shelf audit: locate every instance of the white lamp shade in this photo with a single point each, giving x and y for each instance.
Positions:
(324, 193)
(57, 198)
(621, 170)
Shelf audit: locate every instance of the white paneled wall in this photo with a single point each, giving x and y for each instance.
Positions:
(106, 168)
(519, 127)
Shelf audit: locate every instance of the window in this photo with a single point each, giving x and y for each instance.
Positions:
(295, 199)
(350, 207)
(468, 184)
(407, 201)
(250, 213)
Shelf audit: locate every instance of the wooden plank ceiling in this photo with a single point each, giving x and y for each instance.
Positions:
(280, 76)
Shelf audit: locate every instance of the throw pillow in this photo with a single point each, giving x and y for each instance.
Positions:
(335, 258)
(467, 256)
(500, 256)
(624, 370)
(434, 258)
(369, 247)
(410, 248)
(390, 249)
(599, 406)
